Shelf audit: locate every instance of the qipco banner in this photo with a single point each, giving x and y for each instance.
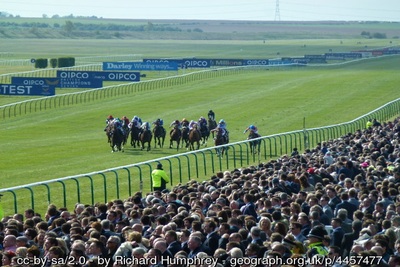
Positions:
(196, 63)
(30, 86)
(100, 75)
(121, 76)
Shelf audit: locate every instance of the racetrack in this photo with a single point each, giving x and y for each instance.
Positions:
(70, 140)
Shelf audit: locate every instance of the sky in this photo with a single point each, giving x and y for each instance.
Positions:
(256, 10)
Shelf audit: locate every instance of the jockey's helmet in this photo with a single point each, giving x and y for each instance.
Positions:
(110, 117)
(177, 122)
(251, 127)
(135, 118)
(221, 121)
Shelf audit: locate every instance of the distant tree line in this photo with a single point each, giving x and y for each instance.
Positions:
(92, 27)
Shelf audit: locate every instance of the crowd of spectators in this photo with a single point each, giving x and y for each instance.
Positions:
(338, 201)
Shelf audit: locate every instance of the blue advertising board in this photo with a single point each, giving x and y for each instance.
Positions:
(78, 79)
(227, 62)
(149, 66)
(259, 62)
(21, 89)
(48, 84)
(117, 76)
(102, 75)
(196, 63)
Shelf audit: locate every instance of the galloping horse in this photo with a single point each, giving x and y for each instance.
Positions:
(175, 135)
(212, 124)
(254, 145)
(205, 133)
(194, 137)
(115, 137)
(220, 139)
(135, 141)
(145, 136)
(159, 135)
(185, 136)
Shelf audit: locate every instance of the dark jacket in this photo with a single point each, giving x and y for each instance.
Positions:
(211, 243)
(250, 209)
(174, 247)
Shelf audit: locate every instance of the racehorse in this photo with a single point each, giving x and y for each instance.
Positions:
(135, 141)
(254, 145)
(175, 135)
(159, 135)
(185, 136)
(115, 138)
(212, 124)
(220, 139)
(194, 137)
(145, 136)
(205, 133)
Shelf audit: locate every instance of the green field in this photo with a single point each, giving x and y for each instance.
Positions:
(70, 140)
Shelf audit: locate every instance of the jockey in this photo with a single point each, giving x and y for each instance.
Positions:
(222, 125)
(192, 125)
(118, 124)
(175, 123)
(202, 122)
(159, 122)
(109, 118)
(136, 122)
(145, 126)
(185, 122)
(211, 115)
(251, 128)
(125, 121)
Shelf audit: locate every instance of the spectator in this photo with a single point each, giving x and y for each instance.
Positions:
(174, 245)
(159, 178)
(333, 198)
(112, 246)
(337, 233)
(249, 207)
(212, 238)
(348, 238)
(315, 246)
(345, 205)
(10, 243)
(194, 245)
(305, 223)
